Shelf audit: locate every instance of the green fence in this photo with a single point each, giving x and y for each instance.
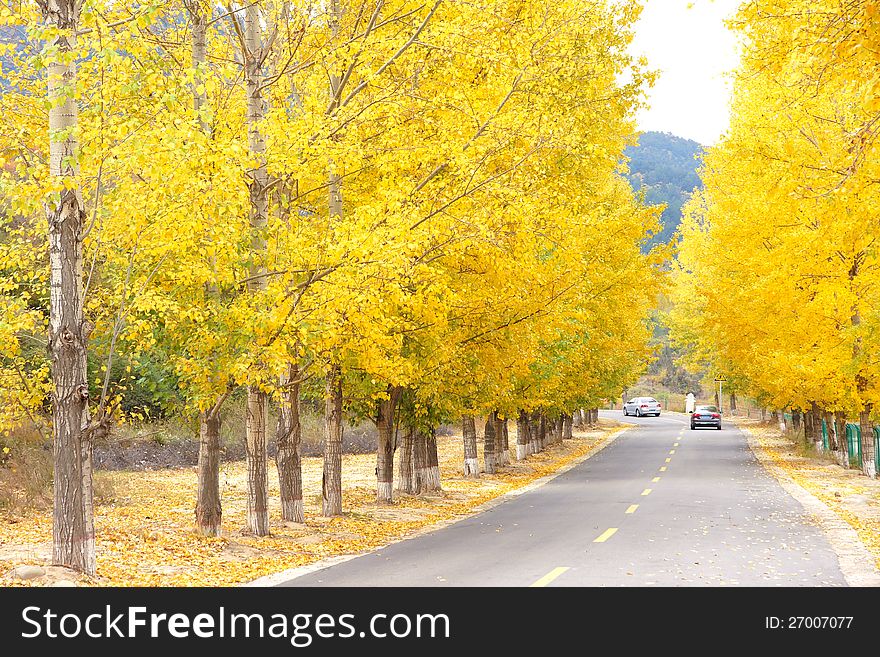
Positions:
(854, 444)
(876, 449)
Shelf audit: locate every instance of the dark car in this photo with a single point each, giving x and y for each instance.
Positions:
(706, 416)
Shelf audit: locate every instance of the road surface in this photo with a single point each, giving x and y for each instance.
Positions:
(662, 505)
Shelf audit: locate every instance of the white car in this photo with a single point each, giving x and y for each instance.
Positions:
(640, 406)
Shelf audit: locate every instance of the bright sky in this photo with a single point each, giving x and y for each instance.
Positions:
(692, 50)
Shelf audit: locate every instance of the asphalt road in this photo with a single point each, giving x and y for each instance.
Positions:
(662, 505)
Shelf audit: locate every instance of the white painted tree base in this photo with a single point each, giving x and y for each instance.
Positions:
(869, 468)
(383, 492)
(471, 468)
(521, 452)
(292, 511)
(432, 478)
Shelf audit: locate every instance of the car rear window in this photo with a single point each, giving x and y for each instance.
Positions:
(712, 409)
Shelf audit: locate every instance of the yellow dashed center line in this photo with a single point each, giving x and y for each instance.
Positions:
(656, 479)
(549, 577)
(675, 444)
(632, 508)
(672, 451)
(669, 460)
(608, 533)
(662, 468)
(647, 491)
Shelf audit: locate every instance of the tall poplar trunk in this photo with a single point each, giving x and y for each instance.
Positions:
(288, 437)
(489, 445)
(334, 180)
(522, 435)
(405, 480)
(431, 481)
(331, 481)
(257, 463)
(385, 453)
(567, 422)
(209, 512)
(257, 400)
(469, 439)
(73, 529)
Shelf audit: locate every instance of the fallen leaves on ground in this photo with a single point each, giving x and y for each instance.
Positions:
(145, 534)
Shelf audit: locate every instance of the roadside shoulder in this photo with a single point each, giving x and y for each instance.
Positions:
(857, 563)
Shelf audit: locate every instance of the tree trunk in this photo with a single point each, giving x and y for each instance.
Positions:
(522, 435)
(73, 529)
(869, 465)
(405, 458)
(732, 408)
(257, 456)
(809, 427)
(796, 420)
(334, 180)
(499, 441)
(288, 438)
(331, 482)
(431, 481)
(385, 453)
(542, 432)
(840, 429)
(816, 421)
(257, 463)
(469, 438)
(828, 416)
(534, 433)
(419, 461)
(209, 511)
(567, 422)
(489, 445)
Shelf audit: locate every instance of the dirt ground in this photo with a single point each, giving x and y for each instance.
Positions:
(144, 524)
(851, 495)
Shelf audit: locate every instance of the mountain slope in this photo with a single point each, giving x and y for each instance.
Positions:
(665, 166)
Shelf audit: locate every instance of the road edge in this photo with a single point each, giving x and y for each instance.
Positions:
(294, 573)
(856, 562)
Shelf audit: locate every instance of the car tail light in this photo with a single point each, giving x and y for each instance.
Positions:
(644, 406)
(716, 415)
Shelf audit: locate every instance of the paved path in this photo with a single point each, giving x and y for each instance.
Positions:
(662, 505)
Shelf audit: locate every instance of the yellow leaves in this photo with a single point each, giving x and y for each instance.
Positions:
(145, 535)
